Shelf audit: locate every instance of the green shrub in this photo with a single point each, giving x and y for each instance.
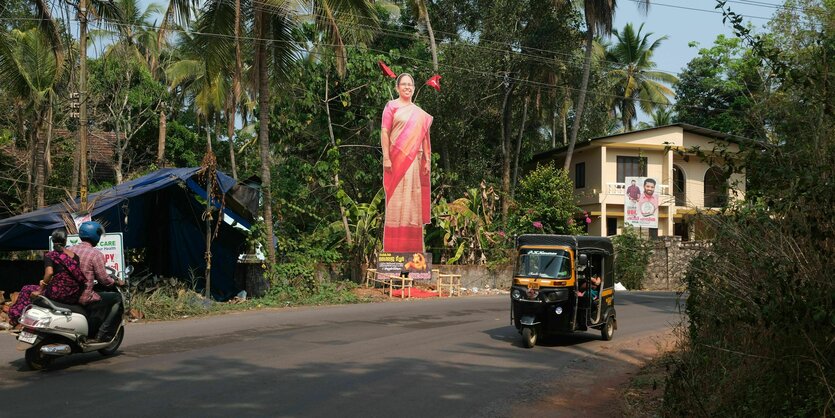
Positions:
(545, 203)
(632, 254)
(761, 321)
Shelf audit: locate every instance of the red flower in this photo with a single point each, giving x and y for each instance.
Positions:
(434, 82)
(386, 70)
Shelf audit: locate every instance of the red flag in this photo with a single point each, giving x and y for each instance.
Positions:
(386, 70)
(434, 82)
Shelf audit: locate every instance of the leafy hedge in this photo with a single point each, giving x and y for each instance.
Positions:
(632, 254)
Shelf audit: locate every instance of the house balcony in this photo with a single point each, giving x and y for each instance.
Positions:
(613, 193)
(620, 189)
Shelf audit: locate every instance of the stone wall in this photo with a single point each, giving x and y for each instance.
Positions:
(668, 262)
(480, 276)
(665, 271)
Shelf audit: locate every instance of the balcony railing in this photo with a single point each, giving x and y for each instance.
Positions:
(620, 188)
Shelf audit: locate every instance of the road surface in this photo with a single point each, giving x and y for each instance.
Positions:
(455, 357)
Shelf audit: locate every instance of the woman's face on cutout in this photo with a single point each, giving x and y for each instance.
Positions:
(406, 87)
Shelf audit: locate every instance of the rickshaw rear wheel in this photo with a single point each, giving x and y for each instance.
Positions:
(608, 330)
(529, 337)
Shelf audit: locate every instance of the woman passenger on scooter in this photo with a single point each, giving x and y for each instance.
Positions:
(62, 281)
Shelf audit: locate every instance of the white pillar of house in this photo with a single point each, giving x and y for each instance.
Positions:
(670, 203)
(603, 205)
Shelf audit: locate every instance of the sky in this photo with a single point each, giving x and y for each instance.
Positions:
(681, 24)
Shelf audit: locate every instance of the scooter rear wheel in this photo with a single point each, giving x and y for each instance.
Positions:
(117, 341)
(529, 337)
(37, 360)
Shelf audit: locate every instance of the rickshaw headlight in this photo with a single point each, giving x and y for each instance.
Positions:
(516, 294)
(552, 297)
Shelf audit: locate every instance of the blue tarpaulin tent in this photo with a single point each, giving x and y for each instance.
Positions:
(159, 212)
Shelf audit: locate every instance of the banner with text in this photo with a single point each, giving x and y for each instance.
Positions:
(641, 202)
(110, 245)
(418, 265)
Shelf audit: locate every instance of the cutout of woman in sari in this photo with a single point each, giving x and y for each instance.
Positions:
(407, 157)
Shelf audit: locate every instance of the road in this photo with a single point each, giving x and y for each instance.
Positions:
(452, 357)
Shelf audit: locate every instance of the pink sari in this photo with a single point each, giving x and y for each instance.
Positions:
(407, 186)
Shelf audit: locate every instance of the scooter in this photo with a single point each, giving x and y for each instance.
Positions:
(52, 329)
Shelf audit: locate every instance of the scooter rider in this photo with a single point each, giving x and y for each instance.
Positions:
(92, 264)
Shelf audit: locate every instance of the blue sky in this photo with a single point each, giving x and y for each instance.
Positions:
(669, 17)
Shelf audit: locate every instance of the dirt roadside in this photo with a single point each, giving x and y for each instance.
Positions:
(596, 388)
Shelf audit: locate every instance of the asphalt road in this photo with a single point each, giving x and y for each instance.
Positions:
(452, 357)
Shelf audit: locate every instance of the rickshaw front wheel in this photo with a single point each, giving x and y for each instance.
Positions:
(608, 330)
(529, 337)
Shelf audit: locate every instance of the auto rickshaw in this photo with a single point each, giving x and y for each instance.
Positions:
(554, 286)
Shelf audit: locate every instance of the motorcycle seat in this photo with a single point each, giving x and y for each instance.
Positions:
(73, 308)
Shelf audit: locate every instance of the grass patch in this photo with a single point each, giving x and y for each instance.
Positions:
(171, 302)
(644, 394)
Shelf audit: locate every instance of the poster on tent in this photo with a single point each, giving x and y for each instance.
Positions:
(418, 265)
(111, 245)
(641, 202)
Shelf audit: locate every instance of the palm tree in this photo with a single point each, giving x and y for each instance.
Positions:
(637, 85)
(177, 12)
(135, 32)
(661, 117)
(30, 70)
(599, 15)
(204, 87)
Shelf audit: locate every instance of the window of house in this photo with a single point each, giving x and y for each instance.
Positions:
(716, 188)
(580, 175)
(631, 167)
(679, 185)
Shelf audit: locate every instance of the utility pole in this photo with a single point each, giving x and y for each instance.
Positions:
(82, 111)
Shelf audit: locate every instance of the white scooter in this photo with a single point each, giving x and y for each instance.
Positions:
(52, 329)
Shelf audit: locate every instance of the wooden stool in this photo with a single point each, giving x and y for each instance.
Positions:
(449, 282)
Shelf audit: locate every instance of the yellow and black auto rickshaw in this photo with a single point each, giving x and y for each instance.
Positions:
(562, 284)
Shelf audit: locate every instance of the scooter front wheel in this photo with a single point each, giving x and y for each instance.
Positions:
(37, 360)
(529, 337)
(117, 341)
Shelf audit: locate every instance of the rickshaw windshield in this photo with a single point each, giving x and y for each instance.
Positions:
(552, 264)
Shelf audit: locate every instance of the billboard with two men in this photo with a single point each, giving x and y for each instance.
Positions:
(641, 202)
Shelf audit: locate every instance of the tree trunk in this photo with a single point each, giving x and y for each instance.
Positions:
(163, 128)
(230, 133)
(120, 157)
(207, 216)
(30, 171)
(581, 100)
(424, 11)
(261, 23)
(519, 148)
(564, 127)
(49, 132)
(208, 136)
(507, 112)
(336, 175)
(40, 165)
(236, 91)
(554, 129)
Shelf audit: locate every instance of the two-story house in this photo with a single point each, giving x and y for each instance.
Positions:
(689, 180)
